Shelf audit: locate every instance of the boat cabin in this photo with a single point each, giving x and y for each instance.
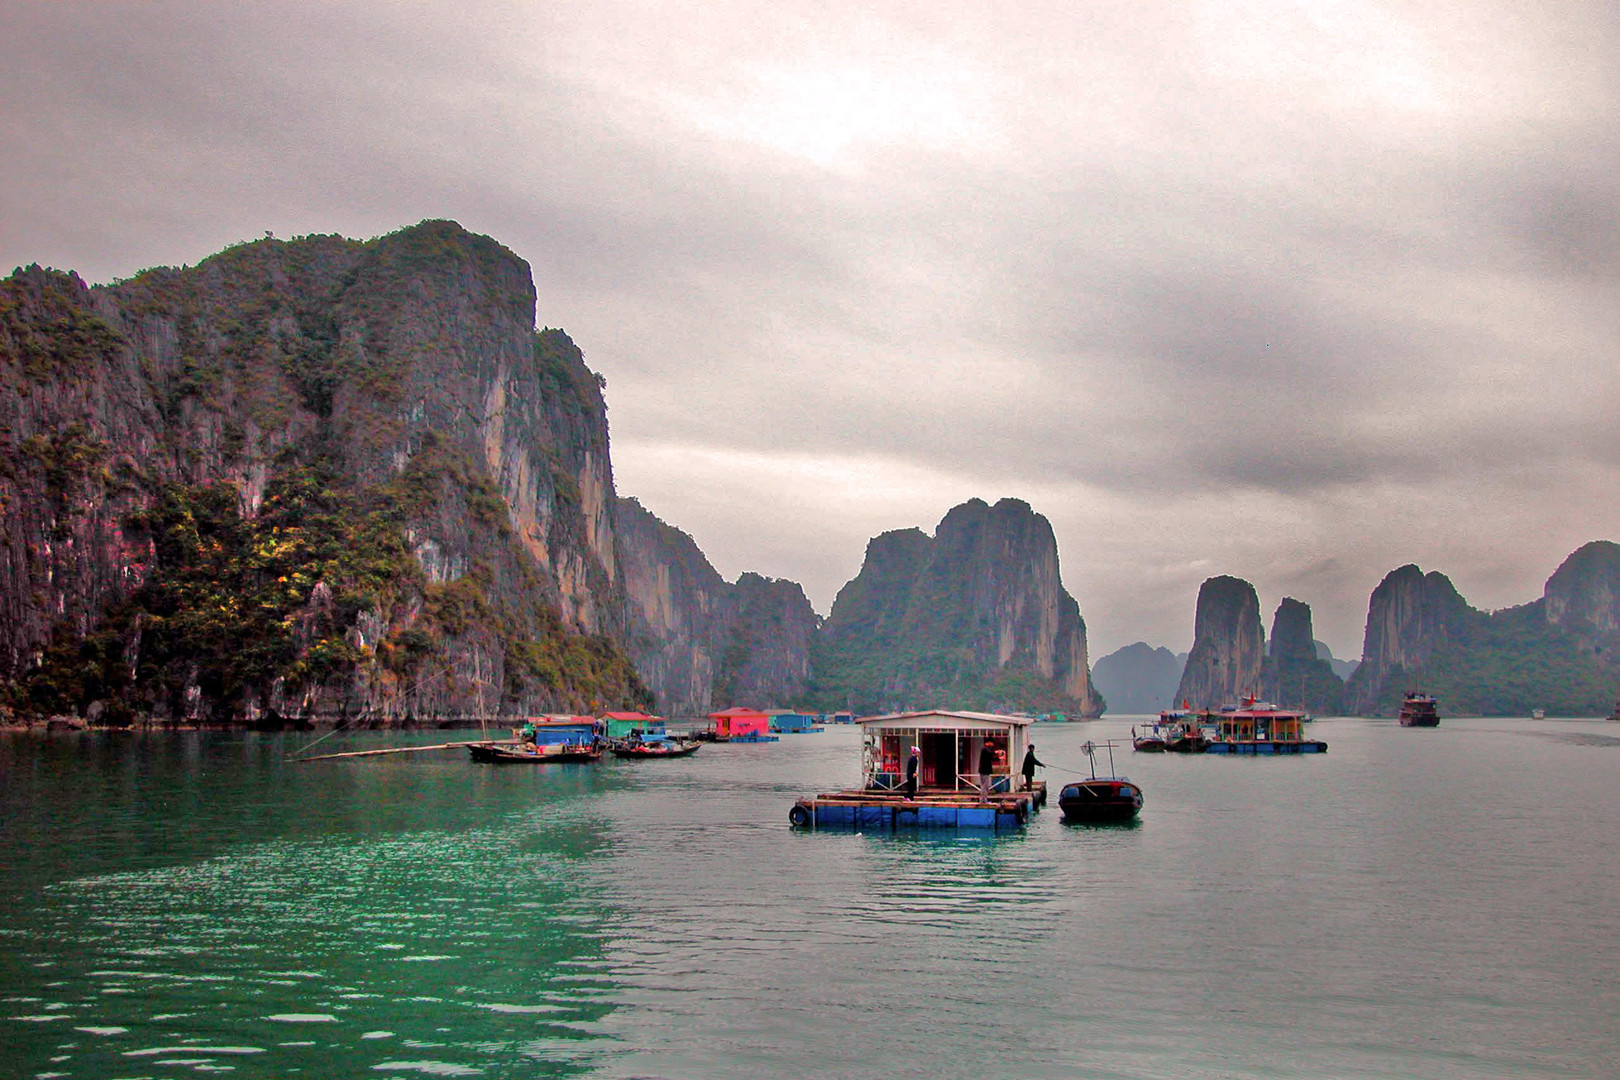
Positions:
(740, 722)
(558, 730)
(1258, 721)
(949, 744)
(624, 725)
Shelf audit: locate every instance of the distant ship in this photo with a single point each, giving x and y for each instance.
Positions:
(1420, 710)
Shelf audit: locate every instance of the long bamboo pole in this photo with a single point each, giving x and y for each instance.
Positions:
(397, 750)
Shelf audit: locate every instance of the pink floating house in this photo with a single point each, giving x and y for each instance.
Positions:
(741, 724)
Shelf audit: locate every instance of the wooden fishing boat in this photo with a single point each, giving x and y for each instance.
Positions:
(1100, 799)
(521, 753)
(1149, 739)
(639, 750)
(543, 740)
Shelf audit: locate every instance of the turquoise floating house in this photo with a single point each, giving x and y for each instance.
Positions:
(792, 722)
(622, 725)
(949, 746)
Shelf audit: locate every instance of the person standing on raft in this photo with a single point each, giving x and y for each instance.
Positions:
(987, 762)
(1030, 761)
(911, 773)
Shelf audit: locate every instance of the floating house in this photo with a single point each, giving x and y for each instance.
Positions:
(948, 795)
(622, 725)
(739, 724)
(841, 717)
(1258, 727)
(788, 721)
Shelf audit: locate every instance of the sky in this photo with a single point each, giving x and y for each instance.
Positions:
(1297, 292)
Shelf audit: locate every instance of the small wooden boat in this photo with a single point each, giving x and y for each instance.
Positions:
(521, 753)
(1419, 710)
(1183, 732)
(1149, 740)
(637, 750)
(1102, 798)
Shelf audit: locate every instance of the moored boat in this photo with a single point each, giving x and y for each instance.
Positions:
(1419, 710)
(1149, 739)
(520, 753)
(1184, 732)
(665, 747)
(543, 740)
(1100, 799)
(1259, 727)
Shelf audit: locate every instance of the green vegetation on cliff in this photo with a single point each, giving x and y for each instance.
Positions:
(277, 483)
(1507, 663)
(233, 606)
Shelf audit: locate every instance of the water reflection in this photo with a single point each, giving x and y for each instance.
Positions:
(408, 918)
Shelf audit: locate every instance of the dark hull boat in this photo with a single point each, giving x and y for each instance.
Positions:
(1420, 710)
(1108, 798)
(663, 748)
(529, 754)
(1100, 799)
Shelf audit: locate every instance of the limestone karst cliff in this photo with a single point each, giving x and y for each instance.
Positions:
(1409, 615)
(317, 476)
(1293, 676)
(700, 643)
(1583, 597)
(974, 616)
(1228, 645)
(1555, 653)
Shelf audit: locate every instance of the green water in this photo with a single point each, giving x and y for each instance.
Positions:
(1439, 903)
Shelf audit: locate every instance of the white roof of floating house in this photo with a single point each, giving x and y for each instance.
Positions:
(944, 718)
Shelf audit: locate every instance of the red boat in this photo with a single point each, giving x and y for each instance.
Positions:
(1420, 710)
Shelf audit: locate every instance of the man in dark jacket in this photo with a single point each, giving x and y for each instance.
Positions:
(987, 763)
(911, 773)
(1030, 761)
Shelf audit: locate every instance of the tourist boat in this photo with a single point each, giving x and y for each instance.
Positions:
(660, 747)
(543, 740)
(1538, 714)
(1259, 727)
(1419, 710)
(1100, 799)
(949, 748)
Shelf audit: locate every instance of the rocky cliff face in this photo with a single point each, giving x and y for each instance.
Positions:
(359, 458)
(1138, 678)
(975, 616)
(1409, 616)
(1293, 675)
(700, 643)
(1583, 597)
(767, 652)
(1228, 645)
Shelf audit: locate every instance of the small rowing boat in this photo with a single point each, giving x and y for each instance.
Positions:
(640, 750)
(1100, 799)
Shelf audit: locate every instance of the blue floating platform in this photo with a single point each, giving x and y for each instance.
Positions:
(878, 811)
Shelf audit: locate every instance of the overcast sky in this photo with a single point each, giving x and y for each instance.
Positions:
(1298, 292)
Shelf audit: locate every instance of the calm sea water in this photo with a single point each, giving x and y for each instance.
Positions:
(1415, 903)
